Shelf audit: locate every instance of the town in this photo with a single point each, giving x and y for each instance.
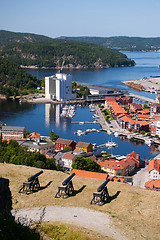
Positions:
(117, 115)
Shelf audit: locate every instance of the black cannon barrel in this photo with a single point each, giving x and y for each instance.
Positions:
(30, 179)
(102, 186)
(68, 179)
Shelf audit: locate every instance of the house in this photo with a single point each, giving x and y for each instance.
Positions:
(155, 128)
(117, 168)
(67, 160)
(96, 175)
(78, 152)
(87, 147)
(11, 132)
(124, 100)
(43, 148)
(61, 143)
(155, 108)
(135, 157)
(35, 137)
(135, 107)
(153, 184)
(116, 109)
(142, 126)
(154, 169)
(58, 157)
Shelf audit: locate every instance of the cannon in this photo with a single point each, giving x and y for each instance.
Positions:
(32, 184)
(101, 195)
(66, 188)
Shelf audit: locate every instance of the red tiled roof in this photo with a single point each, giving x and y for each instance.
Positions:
(35, 134)
(154, 164)
(110, 99)
(64, 141)
(69, 156)
(126, 119)
(87, 174)
(138, 106)
(16, 139)
(142, 123)
(154, 183)
(82, 144)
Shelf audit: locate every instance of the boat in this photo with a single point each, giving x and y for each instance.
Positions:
(149, 142)
(109, 132)
(81, 123)
(116, 134)
(94, 146)
(111, 144)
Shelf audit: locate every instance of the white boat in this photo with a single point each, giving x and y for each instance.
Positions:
(111, 144)
(149, 142)
(116, 134)
(94, 146)
(109, 132)
(81, 123)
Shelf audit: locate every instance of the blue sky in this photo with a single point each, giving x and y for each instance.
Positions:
(101, 18)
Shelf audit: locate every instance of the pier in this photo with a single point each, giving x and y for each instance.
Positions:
(142, 98)
(81, 123)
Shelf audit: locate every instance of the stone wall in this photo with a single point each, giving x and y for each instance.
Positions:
(5, 195)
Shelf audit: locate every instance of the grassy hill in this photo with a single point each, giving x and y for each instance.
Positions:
(134, 211)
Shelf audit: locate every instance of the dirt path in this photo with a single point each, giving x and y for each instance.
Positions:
(79, 216)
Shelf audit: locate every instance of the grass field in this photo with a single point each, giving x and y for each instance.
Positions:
(135, 211)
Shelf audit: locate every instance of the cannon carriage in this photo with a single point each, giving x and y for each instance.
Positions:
(32, 184)
(66, 189)
(101, 195)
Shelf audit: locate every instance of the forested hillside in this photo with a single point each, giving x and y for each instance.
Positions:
(122, 43)
(7, 37)
(74, 55)
(15, 80)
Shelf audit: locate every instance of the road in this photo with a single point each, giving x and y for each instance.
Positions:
(79, 216)
(141, 177)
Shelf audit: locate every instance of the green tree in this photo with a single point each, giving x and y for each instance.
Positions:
(67, 148)
(87, 164)
(53, 136)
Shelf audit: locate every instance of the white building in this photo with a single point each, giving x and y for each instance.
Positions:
(58, 87)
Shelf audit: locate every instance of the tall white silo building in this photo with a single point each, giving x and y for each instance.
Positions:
(58, 87)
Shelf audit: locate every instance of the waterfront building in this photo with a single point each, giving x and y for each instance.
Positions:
(32, 146)
(58, 87)
(135, 157)
(155, 128)
(35, 137)
(12, 132)
(87, 147)
(61, 143)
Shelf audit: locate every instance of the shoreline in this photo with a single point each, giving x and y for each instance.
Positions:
(147, 84)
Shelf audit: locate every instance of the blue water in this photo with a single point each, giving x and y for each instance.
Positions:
(44, 118)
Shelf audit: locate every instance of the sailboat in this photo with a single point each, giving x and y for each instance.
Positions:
(111, 144)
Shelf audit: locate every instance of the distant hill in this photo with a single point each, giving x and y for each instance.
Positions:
(122, 43)
(7, 37)
(70, 54)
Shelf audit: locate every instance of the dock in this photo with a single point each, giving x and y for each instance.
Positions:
(142, 98)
